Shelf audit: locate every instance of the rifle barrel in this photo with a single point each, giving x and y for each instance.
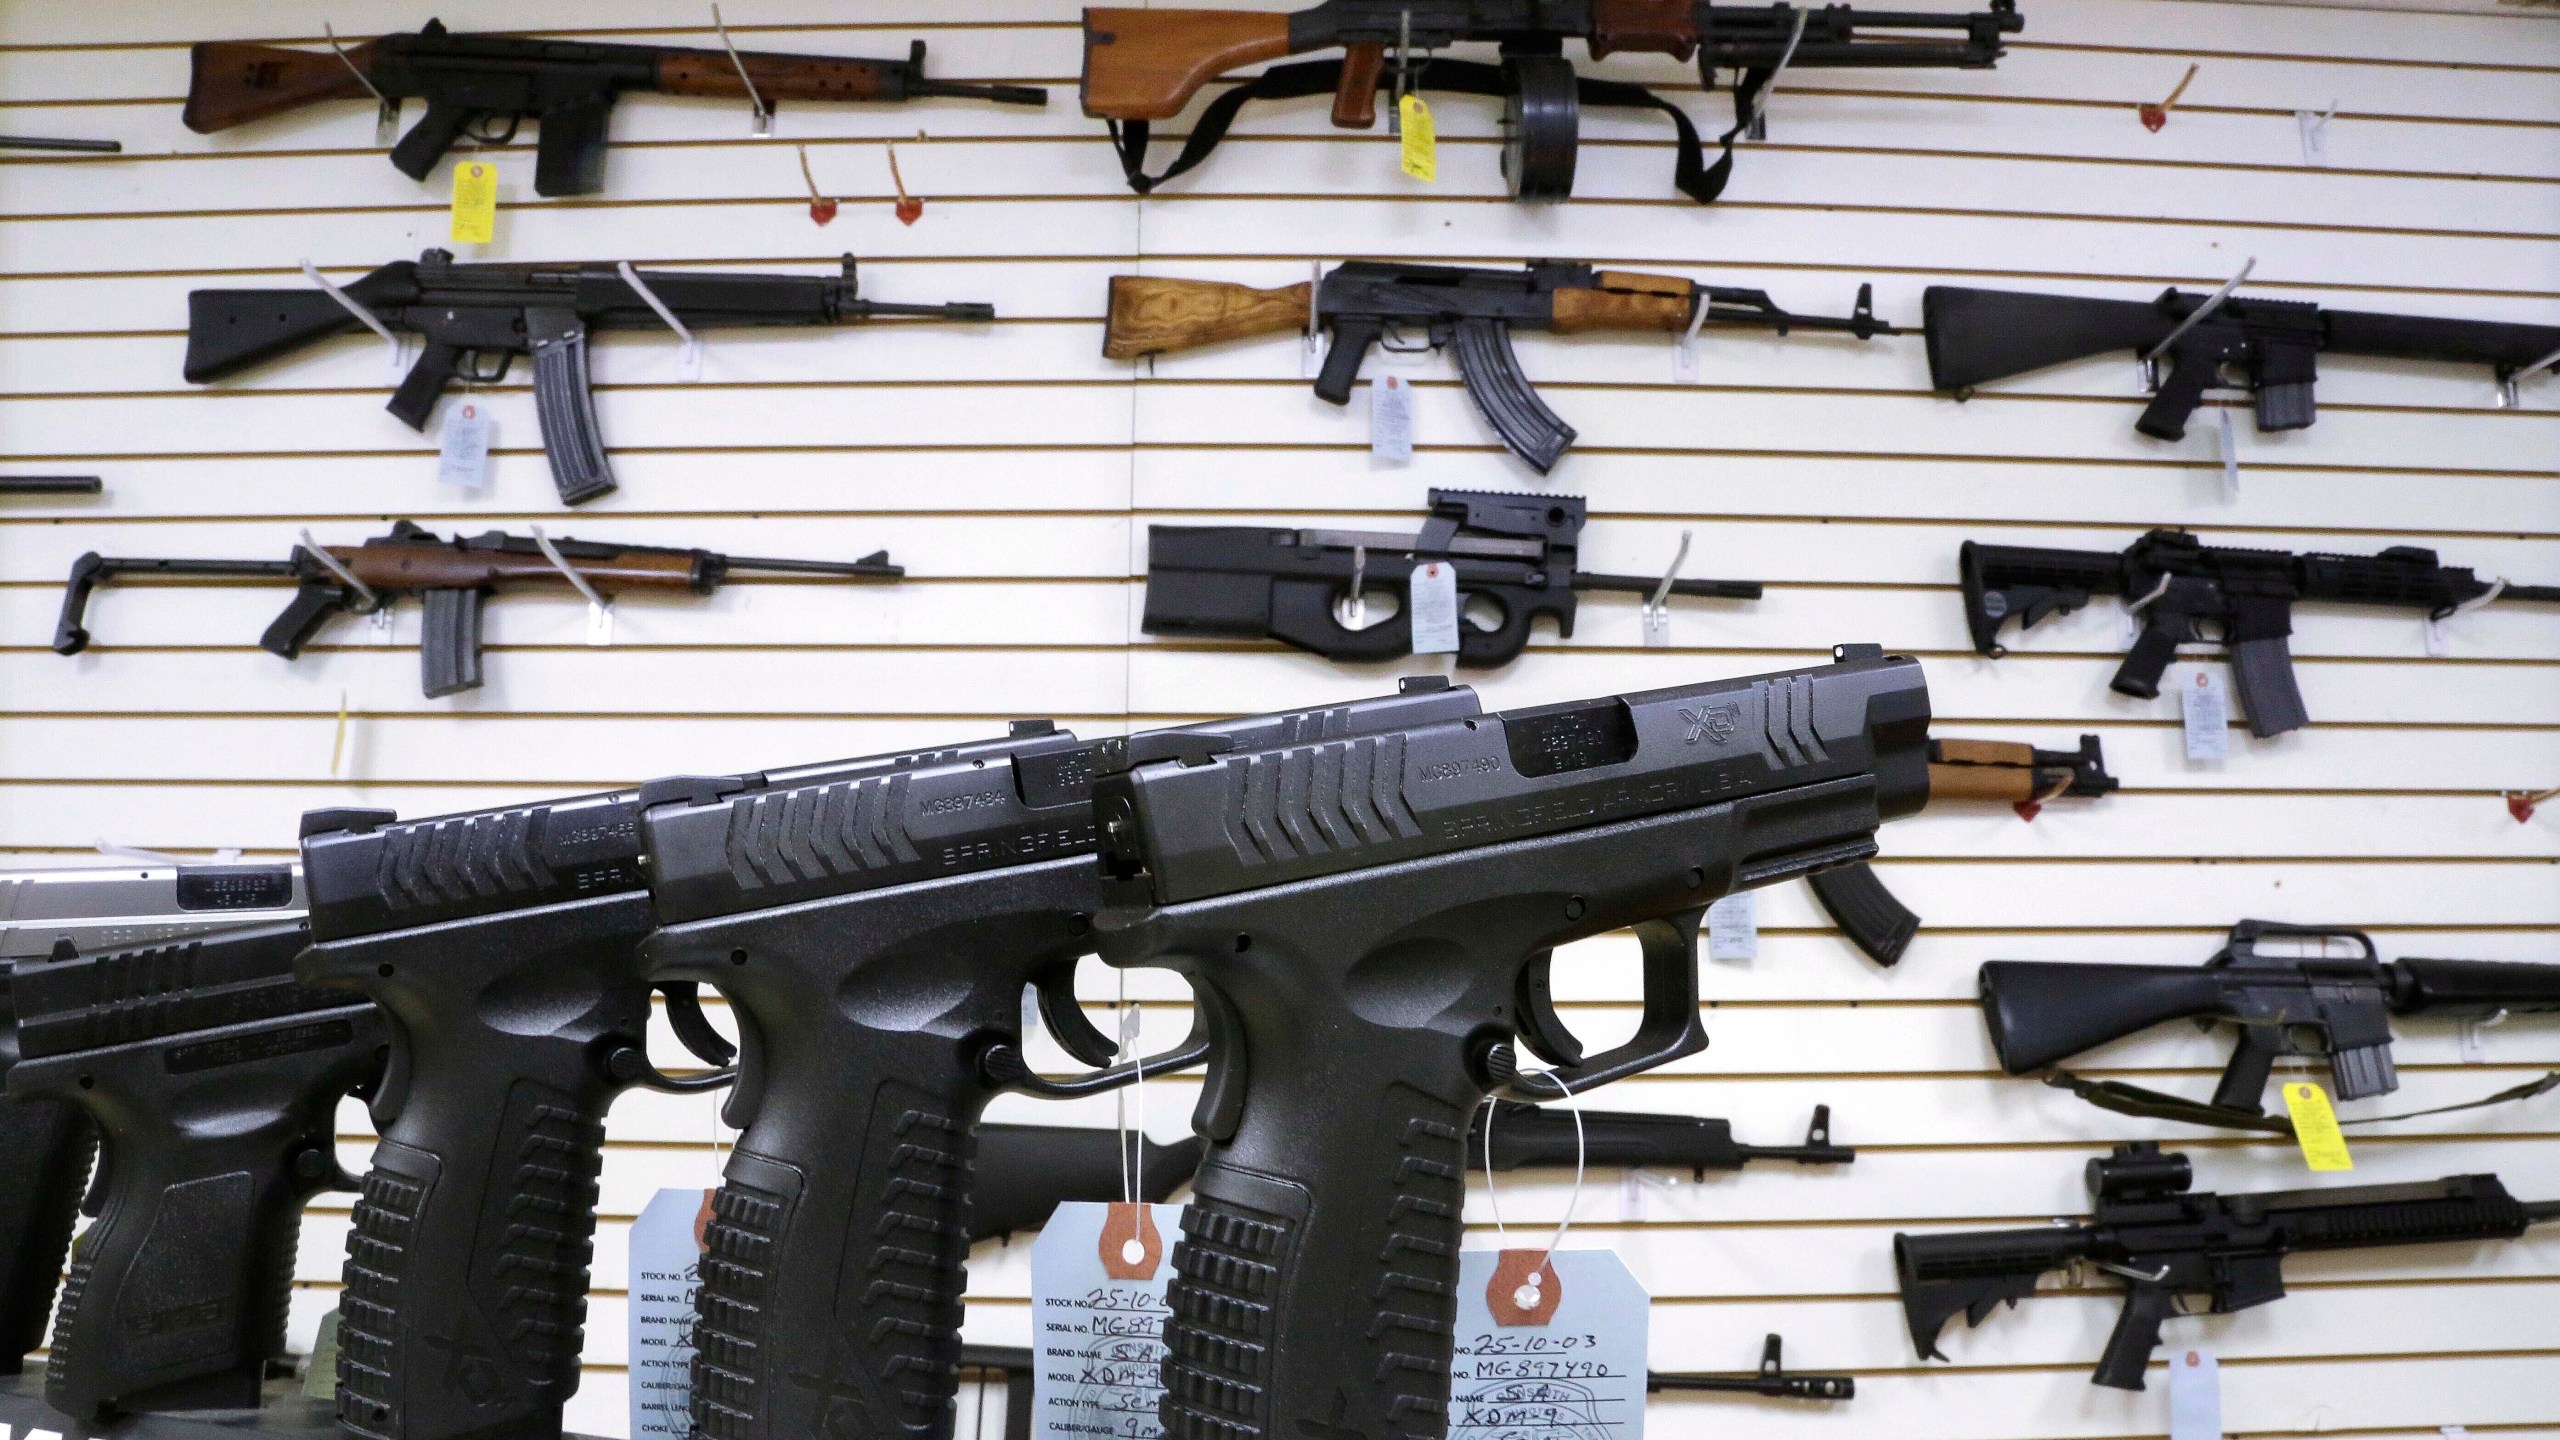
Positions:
(1640, 585)
(956, 310)
(1001, 94)
(48, 142)
(872, 565)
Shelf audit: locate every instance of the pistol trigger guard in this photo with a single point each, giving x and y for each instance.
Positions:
(692, 1027)
(1669, 1028)
(1056, 989)
(1541, 1029)
(1193, 1050)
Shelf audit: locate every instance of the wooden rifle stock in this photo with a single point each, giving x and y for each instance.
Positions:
(437, 565)
(1982, 770)
(1355, 99)
(1147, 64)
(777, 77)
(234, 82)
(1150, 315)
(1625, 300)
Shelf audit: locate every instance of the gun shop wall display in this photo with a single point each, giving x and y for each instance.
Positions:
(1900, 660)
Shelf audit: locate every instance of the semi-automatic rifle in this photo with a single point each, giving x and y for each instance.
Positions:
(2270, 348)
(1310, 588)
(1145, 65)
(477, 318)
(2186, 590)
(2166, 1242)
(483, 87)
(452, 580)
(1362, 304)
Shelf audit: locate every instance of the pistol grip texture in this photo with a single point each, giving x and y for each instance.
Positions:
(2137, 1334)
(2192, 370)
(49, 1144)
(429, 139)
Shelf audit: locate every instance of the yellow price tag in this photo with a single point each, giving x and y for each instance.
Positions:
(475, 203)
(1421, 142)
(2315, 1125)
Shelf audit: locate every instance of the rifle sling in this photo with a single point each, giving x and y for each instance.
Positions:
(2148, 1104)
(1690, 172)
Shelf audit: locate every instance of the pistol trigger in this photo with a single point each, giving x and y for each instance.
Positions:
(1066, 1019)
(693, 1028)
(1541, 1029)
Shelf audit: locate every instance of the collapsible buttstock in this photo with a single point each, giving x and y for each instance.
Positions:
(1147, 64)
(1152, 316)
(1980, 335)
(234, 83)
(1355, 98)
(2041, 1013)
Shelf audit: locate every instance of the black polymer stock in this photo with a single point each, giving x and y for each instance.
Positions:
(1367, 924)
(213, 1078)
(874, 934)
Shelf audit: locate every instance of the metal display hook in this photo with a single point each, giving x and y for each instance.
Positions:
(2195, 317)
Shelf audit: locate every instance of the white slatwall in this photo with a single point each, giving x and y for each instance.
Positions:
(1013, 471)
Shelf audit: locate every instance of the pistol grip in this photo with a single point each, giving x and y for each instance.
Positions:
(2191, 370)
(1344, 357)
(423, 386)
(49, 1143)
(2144, 664)
(2137, 1334)
(1355, 97)
(429, 139)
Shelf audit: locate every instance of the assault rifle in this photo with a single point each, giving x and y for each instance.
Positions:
(1145, 65)
(477, 318)
(484, 87)
(2339, 1010)
(2186, 590)
(2165, 1242)
(1309, 588)
(2272, 346)
(452, 578)
(1472, 312)
(1880, 925)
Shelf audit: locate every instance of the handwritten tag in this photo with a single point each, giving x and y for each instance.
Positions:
(1568, 1366)
(2315, 1127)
(1391, 419)
(462, 447)
(1433, 595)
(2205, 706)
(1733, 927)
(1421, 141)
(666, 1261)
(475, 203)
(2195, 1395)
(1098, 1275)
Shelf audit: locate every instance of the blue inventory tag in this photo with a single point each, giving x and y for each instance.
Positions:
(666, 1260)
(1549, 1347)
(1098, 1276)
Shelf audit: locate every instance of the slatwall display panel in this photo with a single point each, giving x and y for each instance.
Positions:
(1014, 472)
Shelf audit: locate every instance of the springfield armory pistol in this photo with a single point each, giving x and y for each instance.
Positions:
(1368, 924)
(477, 318)
(1362, 304)
(213, 1078)
(875, 933)
(2167, 1243)
(485, 86)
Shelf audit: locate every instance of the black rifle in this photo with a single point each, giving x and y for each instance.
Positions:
(1368, 924)
(1525, 1135)
(1976, 336)
(874, 932)
(485, 86)
(213, 1079)
(451, 578)
(1366, 303)
(474, 315)
(1880, 925)
(1027, 1171)
(1145, 65)
(1772, 1379)
(50, 485)
(2188, 591)
(2339, 1010)
(2165, 1242)
(1259, 582)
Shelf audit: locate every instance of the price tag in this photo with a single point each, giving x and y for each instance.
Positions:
(2206, 706)
(475, 203)
(2230, 458)
(1549, 1347)
(2195, 1395)
(1433, 594)
(1733, 927)
(1421, 142)
(2315, 1126)
(1391, 419)
(462, 446)
(666, 1261)
(320, 1372)
(1098, 1275)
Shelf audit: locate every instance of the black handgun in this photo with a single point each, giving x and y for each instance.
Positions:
(1368, 925)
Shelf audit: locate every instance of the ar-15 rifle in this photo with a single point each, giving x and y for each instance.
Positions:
(2165, 1242)
(1145, 65)
(472, 314)
(1298, 586)
(213, 1079)
(1368, 923)
(2186, 590)
(1523, 1135)
(1976, 336)
(451, 578)
(1880, 925)
(2041, 1013)
(1472, 312)
(49, 1142)
(476, 84)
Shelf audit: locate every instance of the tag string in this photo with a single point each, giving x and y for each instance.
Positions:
(1581, 1155)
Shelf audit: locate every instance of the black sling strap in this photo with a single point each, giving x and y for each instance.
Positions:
(2148, 1104)
(1690, 172)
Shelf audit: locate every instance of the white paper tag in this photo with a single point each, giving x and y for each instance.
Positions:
(2195, 1395)
(1733, 927)
(1098, 1312)
(1390, 419)
(462, 446)
(1433, 596)
(1578, 1374)
(600, 624)
(2230, 458)
(666, 1260)
(2205, 705)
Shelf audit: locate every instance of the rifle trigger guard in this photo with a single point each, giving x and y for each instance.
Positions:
(1669, 1028)
(475, 370)
(478, 128)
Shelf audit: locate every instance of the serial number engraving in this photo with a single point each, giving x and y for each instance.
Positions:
(956, 804)
(1452, 769)
(264, 1045)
